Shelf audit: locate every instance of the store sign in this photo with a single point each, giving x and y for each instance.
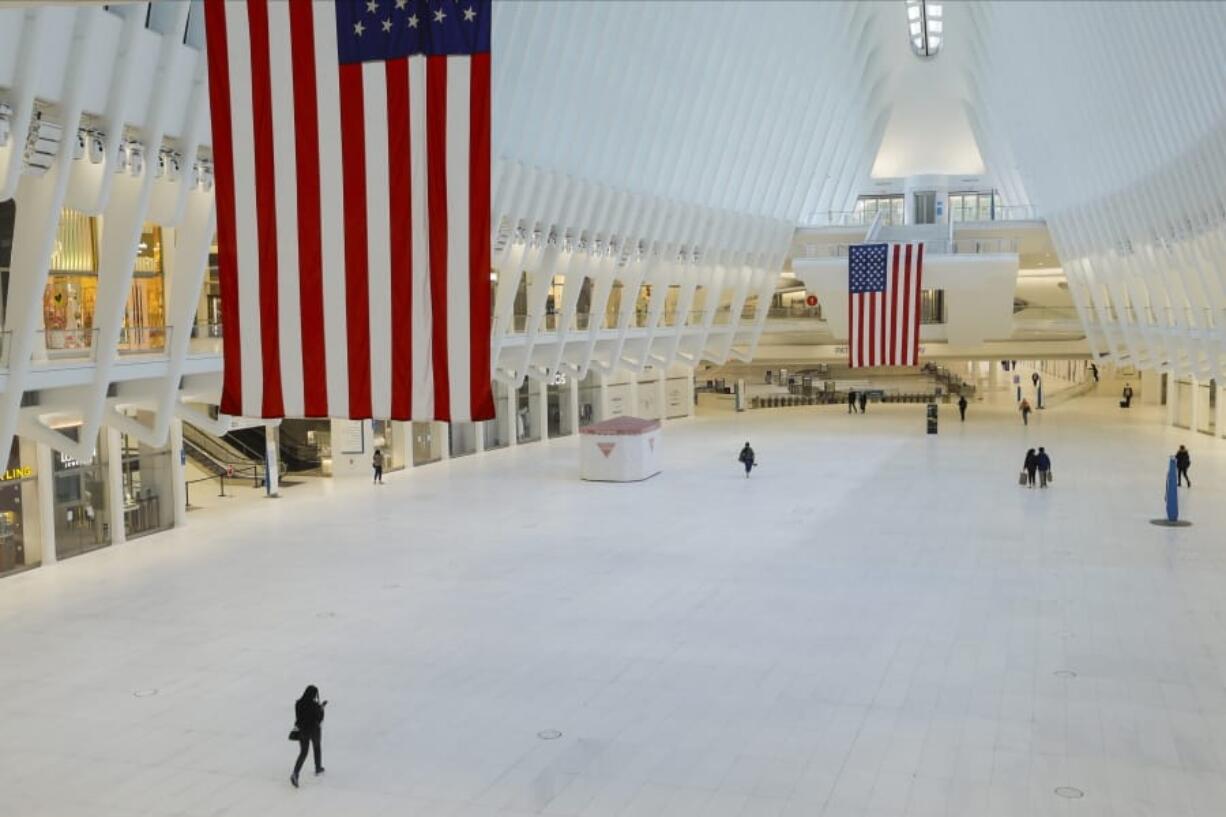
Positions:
(67, 461)
(21, 472)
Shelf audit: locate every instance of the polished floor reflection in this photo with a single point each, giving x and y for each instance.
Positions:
(879, 622)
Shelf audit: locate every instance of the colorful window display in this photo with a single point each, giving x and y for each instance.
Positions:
(16, 484)
(72, 291)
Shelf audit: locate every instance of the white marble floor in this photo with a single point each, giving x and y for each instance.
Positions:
(879, 623)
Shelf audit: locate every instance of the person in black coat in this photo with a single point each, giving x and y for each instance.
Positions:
(1031, 465)
(1043, 463)
(746, 458)
(962, 406)
(1183, 461)
(863, 401)
(308, 720)
(851, 402)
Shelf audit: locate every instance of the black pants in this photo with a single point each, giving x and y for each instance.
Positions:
(378, 473)
(1030, 476)
(1183, 474)
(304, 742)
(962, 411)
(748, 466)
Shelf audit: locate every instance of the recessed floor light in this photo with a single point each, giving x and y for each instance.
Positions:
(1069, 793)
(549, 734)
(1064, 673)
(144, 693)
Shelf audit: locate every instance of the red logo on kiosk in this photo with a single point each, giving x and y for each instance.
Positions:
(606, 448)
(810, 300)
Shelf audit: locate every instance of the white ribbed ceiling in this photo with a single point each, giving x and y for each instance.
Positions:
(768, 108)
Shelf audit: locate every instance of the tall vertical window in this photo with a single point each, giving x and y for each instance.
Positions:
(925, 25)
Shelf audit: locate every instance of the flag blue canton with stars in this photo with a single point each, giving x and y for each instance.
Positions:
(371, 30)
(867, 266)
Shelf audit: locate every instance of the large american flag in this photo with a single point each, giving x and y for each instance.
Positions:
(351, 143)
(884, 285)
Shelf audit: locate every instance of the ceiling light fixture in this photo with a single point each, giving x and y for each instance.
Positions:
(925, 27)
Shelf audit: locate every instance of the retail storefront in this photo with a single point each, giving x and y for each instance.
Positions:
(72, 291)
(18, 498)
(147, 488)
(80, 503)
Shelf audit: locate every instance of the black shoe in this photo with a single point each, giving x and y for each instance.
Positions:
(320, 770)
(293, 779)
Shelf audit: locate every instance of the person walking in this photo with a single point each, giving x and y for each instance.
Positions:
(746, 458)
(1034, 379)
(851, 402)
(1030, 466)
(1127, 401)
(1183, 460)
(377, 463)
(863, 401)
(962, 406)
(1043, 463)
(1094, 372)
(1024, 408)
(308, 725)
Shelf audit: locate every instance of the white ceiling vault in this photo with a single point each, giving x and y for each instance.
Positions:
(1110, 117)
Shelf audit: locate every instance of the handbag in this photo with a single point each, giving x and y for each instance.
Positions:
(295, 734)
(1050, 476)
(1023, 479)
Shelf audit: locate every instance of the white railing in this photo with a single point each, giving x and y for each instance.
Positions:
(961, 246)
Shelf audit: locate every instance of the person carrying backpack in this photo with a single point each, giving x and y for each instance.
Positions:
(1183, 461)
(746, 458)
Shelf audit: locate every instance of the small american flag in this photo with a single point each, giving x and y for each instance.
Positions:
(351, 141)
(884, 285)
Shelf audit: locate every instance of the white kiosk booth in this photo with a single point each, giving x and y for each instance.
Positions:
(623, 449)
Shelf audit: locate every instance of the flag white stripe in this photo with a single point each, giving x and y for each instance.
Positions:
(332, 204)
(459, 73)
(423, 372)
(378, 238)
(247, 243)
(286, 186)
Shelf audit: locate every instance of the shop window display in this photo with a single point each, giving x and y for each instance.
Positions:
(146, 477)
(72, 291)
(16, 483)
(72, 285)
(80, 503)
(144, 318)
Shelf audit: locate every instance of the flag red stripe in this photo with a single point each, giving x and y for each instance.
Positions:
(907, 307)
(223, 163)
(310, 251)
(400, 191)
(481, 394)
(436, 197)
(357, 270)
(265, 209)
(872, 329)
(919, 287)
(894, 356)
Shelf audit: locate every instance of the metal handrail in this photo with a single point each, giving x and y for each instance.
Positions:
(961, 246)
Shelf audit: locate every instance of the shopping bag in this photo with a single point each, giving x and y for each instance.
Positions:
(1022, 479)
(1050, 476)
